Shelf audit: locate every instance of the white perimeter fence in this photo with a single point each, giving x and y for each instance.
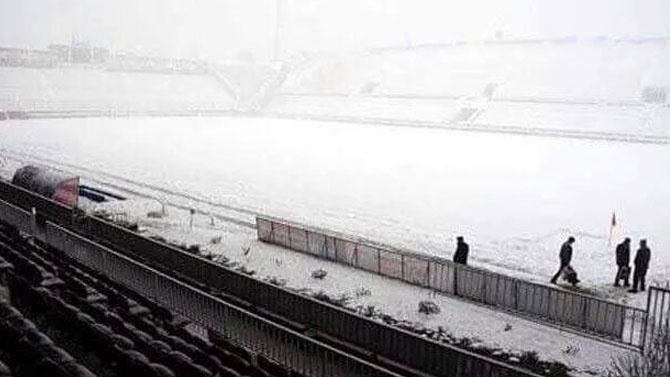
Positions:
(587, 314)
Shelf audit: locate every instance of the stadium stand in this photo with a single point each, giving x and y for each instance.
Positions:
(568, 72)
(89, 88)
(609, 87)
(65, 320)
(567, 116)
(366, 107)
(593, 88)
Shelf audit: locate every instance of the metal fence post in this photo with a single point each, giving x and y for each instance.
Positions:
(455, 280)
(484, 286)
(428, 274)
(645, 327)
(307, 248)
(584, 314)
(662, 311)
(516, 294)
(379, 261)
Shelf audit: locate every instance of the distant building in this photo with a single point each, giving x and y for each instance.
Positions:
(654, 94)
(21, 57)
(80, 53)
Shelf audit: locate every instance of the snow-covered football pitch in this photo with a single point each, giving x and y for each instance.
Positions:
(514, 198)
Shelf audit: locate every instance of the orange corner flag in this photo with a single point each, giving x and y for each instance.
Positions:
(612, 226)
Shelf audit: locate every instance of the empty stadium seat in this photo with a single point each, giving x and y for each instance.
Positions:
(136, 335)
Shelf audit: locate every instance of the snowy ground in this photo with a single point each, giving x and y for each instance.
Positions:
(485, 327)
(514, 198)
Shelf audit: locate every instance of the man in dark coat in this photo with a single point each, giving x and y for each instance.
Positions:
(641, 266)
(462, 250)
(566, 256)
(622, 262)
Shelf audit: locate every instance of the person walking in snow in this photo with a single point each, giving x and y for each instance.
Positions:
(566, 256)
(462, 250)
(641, 266)
(622, 262)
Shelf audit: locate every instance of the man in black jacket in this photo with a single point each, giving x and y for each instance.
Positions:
(565, 255)
(622, 261)
(462, 250)
(641, 266)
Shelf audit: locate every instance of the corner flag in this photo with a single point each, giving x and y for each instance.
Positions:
(612, 226)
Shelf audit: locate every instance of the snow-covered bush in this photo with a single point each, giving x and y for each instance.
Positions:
(158, 238)
(571, 350)
(363, 291)
(155, 214)
(529, 358)
(319, 274)
(428, 307)
(342, 300)
(653, 362)
(275, 281)
(245, 270)
(368, 310)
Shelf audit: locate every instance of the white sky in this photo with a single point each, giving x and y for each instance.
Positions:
(214, 29)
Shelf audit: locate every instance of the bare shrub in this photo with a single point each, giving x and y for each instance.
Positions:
(653, 362)
(245, 270)
(363, 291)
(368, 310)
(529, 358)
(319, 274)
(275, 281)
(341, 300)
(155, 214)
(572, 350)
(428, 307)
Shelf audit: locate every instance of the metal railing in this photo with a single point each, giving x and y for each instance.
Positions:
(300, 353)
(658, 307)
(584, 313)
(18, 218)
(349, 329)
(27, 200)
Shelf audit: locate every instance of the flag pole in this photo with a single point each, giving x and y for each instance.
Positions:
(609, 239)
(612, 225)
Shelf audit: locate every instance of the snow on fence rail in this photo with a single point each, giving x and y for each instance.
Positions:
(586, 314)
(302, 354)
(307, 356)
(332, 322)
(19, 218)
